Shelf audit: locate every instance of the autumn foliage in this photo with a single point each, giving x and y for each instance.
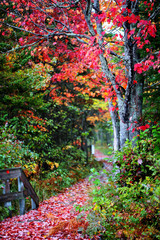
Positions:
(96, 44)
(66, 66)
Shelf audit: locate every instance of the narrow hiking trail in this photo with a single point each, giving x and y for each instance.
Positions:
(101, 157)
(56, 217)
(54, 212)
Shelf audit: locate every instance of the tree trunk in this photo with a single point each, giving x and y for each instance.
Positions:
(124, 120)
(116, 128)
(129, 101)
(136, 100)
(136, 110)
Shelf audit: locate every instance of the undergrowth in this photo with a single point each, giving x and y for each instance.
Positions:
(53, 179)
(62, 177)
(127, 205)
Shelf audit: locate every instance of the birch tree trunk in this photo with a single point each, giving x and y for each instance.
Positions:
(134, 91)
(124, 123)
(136, 109)
(116, 128)
(130, 101)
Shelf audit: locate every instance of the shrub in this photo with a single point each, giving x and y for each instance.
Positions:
(135, 163)
(130, 212)
(127, 206)
(13, 153)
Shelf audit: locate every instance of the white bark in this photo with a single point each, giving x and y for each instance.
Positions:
(116, 128)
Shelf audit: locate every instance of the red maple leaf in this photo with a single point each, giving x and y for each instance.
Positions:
(143, 128)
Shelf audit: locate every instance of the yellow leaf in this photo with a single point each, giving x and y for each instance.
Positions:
(96, 206)
(56, 164)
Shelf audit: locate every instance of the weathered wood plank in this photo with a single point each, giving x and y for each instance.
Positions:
(6, 190)
(29, 188)
(10, 173)
(21, 201)
(13, 196)
(33, 204)
(7, 174)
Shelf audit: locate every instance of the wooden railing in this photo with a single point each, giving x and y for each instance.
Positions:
(24, 189)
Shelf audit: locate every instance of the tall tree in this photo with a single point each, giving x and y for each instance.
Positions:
(57, 28)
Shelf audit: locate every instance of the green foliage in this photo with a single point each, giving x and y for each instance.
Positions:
(44, 126)
(41, 124)
(14, 153)
(63, 175)
(19, 93)
(4, 212)
(151, 95)
(141, 160)
(126, 212)
(127, 206)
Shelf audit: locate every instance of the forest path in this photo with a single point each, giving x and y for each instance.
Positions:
(56, 217)
(101, 157)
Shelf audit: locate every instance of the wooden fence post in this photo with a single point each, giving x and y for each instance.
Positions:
(21, 201)
(93, 149)
(33, 204)
(6, 189)
(24, 189)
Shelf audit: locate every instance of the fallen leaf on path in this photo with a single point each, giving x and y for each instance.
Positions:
(55, 218)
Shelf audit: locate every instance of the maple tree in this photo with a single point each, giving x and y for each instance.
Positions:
(91, 48)
(26, 101)
(151, 82)
(80, 31)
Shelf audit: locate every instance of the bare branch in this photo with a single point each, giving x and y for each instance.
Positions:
(87, 13)
(21, 29)
(21, 47)
(116, 55)
(150, 86)
(155, 13)
(144, 59)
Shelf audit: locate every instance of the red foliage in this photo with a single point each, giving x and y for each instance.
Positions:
(144, 127)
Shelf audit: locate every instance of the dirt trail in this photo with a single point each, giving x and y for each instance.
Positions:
(101, 157)
(38, 224)
(56, 217)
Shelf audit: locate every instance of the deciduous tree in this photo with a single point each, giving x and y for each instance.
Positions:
(59, 29)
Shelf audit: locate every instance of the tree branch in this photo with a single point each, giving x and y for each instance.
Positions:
(155, 13)
(116, 55)
(144, 59)
(87, 13)
(21, 29)
(21, 47)
(150, 86)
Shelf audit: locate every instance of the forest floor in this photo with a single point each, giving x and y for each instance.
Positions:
(56, 217)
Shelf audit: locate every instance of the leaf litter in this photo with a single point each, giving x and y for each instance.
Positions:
(55, 218)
